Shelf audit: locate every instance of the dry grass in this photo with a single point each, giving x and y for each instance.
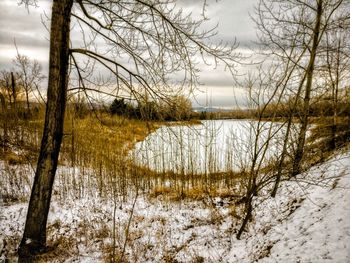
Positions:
(98, 144)
(13, 158)
(193, 193)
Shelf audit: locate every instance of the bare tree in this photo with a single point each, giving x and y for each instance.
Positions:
(9, 87)
(5, 82)
(316, 34)
(29, 75)
(265, 88)
(145, 44)
(291, 31)
(337, 71)
(34, 236)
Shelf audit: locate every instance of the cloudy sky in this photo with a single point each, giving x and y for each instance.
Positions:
(28, 31)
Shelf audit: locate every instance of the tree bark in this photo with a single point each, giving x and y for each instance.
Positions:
(34, 237)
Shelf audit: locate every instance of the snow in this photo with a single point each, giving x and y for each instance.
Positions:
(319, 230)
(308, 221)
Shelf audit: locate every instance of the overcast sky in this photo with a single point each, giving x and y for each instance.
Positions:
(31, 37)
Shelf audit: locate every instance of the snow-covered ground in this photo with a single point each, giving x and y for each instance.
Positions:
(308, 221)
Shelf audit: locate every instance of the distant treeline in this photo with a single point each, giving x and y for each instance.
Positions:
(322, 106)
(179, 108)
(172, 109)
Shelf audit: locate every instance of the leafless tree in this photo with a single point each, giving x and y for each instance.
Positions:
(9, 89)
(266, 88)
(141, 43)
(29, 76)
(336, 71)
(291, 31)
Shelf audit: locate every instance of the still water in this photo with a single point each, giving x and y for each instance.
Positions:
(212, 146)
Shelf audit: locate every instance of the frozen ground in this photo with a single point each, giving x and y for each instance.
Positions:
(309, 221)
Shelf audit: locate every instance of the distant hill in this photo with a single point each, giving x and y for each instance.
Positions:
(209, 109)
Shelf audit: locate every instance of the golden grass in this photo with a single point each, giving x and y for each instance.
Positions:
(101, 143)
(93, 141)
(12, 158)
(192, 193)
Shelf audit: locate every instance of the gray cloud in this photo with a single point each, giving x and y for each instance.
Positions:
(16, 17)
(232, 17)
(220, 97)
(26, 28)
(31, 36)
(23, 39)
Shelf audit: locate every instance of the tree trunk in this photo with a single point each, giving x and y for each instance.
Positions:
(27, 99)
(248, 215)
(335, 89)
(286, 138)
(13, 87)
(34, 237)
(283, 155)
(4, 138)
(306, 109)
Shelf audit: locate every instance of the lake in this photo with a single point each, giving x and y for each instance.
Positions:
(210, 147)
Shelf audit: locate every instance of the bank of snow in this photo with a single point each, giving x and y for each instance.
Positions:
(309, 221)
